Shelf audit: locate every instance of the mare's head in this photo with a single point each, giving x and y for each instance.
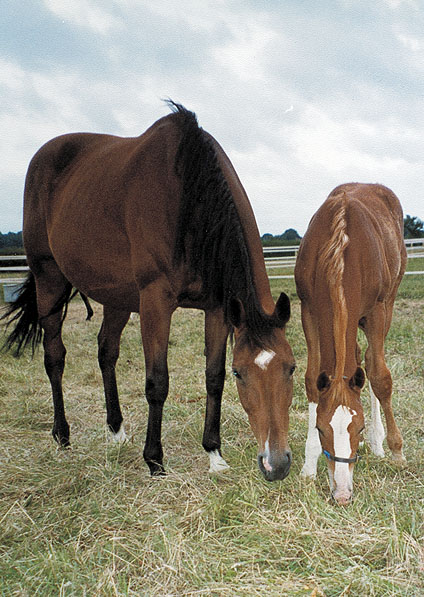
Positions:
(264, 377)
(340, 422)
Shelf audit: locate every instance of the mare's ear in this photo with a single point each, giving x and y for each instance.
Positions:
(358, 379)
(282, 310)
(236, 313)
(323, 381)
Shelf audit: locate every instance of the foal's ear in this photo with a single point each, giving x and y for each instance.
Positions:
(236, 313)
(323, 381)
(282, 310)
(358, 379)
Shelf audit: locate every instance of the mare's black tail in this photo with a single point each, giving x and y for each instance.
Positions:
(23, 311)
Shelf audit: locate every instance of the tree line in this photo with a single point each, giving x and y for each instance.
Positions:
(413, 227)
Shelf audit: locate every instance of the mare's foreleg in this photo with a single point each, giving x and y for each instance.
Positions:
(216, 333)
(109, 337)
(155, 320)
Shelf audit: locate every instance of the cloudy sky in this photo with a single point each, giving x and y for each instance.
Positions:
(302, 94)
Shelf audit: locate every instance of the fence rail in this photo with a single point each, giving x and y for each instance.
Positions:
(275, 258)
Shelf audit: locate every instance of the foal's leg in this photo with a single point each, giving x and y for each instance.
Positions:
(376, 328)
(52, 292)
(216, 333)
(155, 319)
(313, 444)
(109, 337)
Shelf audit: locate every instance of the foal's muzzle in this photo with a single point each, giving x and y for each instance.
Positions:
(275, 466)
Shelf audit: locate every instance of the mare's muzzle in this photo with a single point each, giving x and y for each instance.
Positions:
(275, 466)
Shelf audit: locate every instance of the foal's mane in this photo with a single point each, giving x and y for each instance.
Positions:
(210, 237)
(331, 263)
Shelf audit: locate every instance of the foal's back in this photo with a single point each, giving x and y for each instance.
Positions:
(374, 255)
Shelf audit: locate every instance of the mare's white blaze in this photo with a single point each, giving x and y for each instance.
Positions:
(343, 472)
(376, 433)
(264, 358)
(216, 462)
(120, 436)
(313, 444)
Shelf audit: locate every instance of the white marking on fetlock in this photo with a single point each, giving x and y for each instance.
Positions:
(376, 433)
(264, 358)
(313, 445)
(120, 436)
(217, 463)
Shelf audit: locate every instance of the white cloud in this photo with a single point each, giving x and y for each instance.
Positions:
(84, 13)
(414, 44)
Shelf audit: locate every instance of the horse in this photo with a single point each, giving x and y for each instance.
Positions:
(148, 224)
(349, 267)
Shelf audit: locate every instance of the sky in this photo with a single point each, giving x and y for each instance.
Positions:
(303, 95)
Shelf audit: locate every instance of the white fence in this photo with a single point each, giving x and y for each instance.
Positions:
(285, 257)
(275, 258)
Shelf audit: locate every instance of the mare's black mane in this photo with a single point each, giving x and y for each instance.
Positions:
(208, 216)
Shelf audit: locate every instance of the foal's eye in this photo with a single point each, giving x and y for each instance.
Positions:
(292, 369)
(236, 374)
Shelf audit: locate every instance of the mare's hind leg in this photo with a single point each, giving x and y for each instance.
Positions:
(109, 337)
(376, 327)
(216, 333)
(156, 310)
(53, 290)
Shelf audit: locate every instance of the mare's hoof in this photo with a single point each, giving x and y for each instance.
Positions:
(62, 440)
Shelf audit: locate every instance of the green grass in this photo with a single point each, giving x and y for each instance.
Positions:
(90, 520)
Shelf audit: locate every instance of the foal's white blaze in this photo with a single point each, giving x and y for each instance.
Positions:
(264, 358)
(376, 429)
(313, 444)
(343, 472)
(120, 436)
(216, 462)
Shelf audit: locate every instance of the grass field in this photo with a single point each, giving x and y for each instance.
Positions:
(90, 520)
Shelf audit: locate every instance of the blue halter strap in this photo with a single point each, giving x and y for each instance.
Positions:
(339, 459)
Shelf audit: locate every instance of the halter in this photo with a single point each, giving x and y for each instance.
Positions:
(339, 459)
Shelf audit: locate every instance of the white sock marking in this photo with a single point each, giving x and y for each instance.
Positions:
(264, 358)
(216, 462)
(376, 432)
(313, 445)
(120, 436)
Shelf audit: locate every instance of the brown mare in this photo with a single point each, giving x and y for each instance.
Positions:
(350, 264)
(148, 224)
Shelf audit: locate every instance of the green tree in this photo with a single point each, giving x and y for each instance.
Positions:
(413, 227)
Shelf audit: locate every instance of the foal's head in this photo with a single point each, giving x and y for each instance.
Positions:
(340, 421)
(265, 385)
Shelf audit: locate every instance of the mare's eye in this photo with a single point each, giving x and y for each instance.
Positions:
(292, 369)
(236, 374)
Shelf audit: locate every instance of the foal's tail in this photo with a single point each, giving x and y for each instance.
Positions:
(24, 312)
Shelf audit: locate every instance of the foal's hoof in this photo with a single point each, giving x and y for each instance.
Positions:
(399, 459)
